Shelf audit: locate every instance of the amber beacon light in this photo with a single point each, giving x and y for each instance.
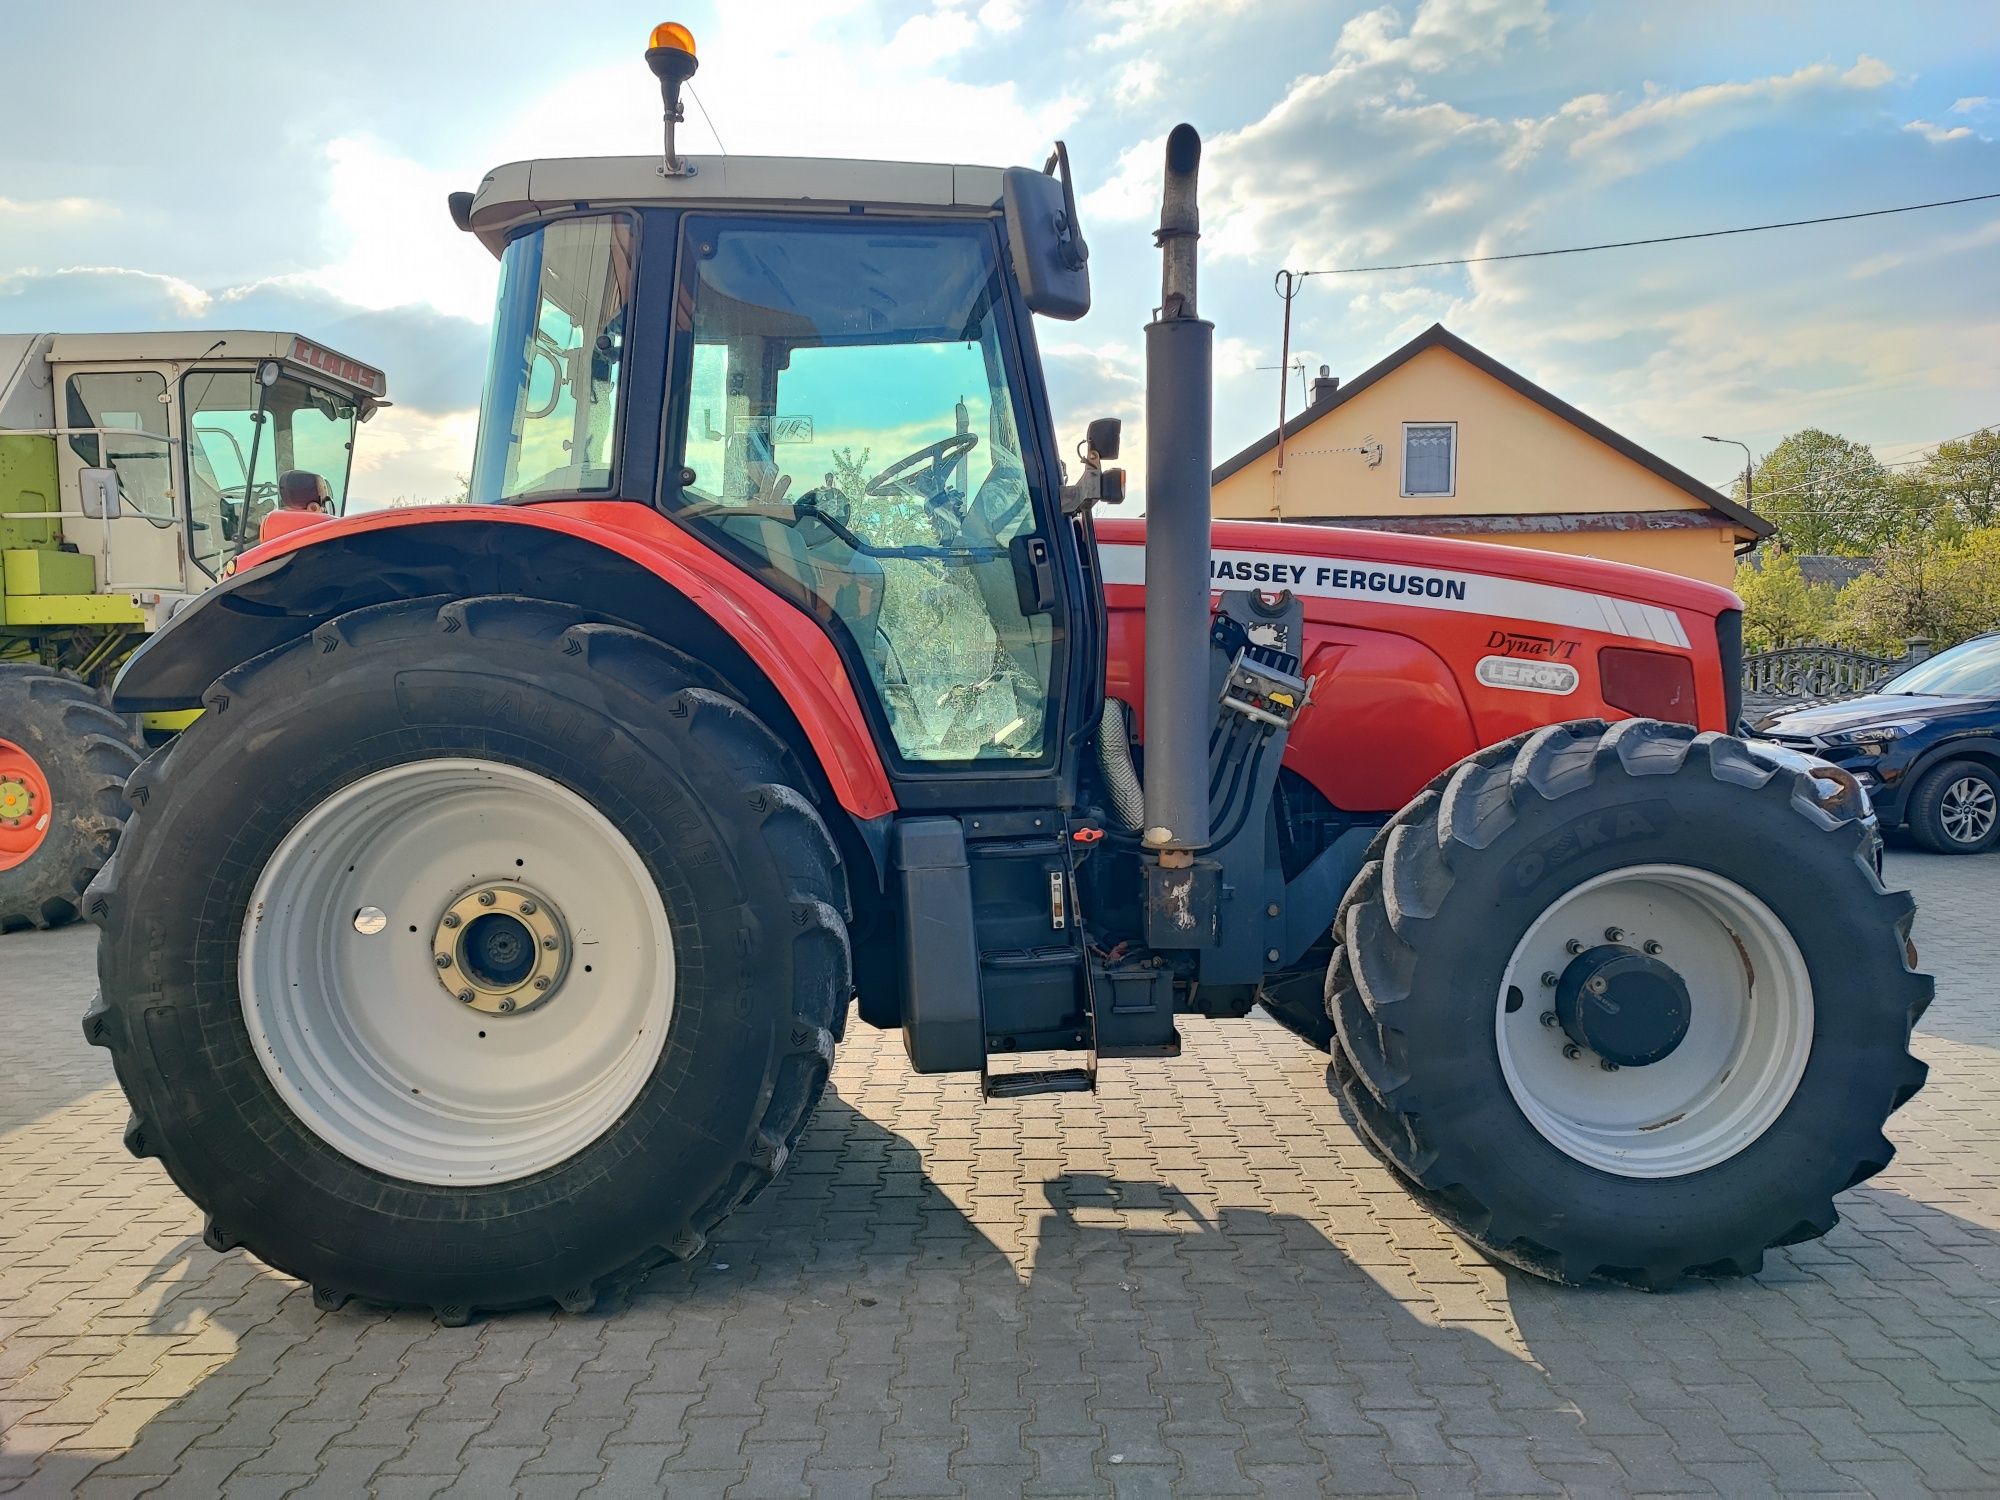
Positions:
(670, 54)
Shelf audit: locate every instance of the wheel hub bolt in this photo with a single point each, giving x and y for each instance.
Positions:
(541, 981)
(528, 908)
(467, 996)
(485, 898)
(444, 960)
(1655, 947)
(1614, 934)
(1572, 1051)
(1573, 947)
(451, 919)
(1597, 985)
(1550, 1018)
(549, 942)
(1607, 1064)
(506, 1005)
(1549, 978)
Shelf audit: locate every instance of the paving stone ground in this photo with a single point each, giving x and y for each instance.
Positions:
(1197, 1282)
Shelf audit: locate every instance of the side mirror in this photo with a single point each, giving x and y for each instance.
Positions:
(101, 500)
(1044, 240)
(1101, 437)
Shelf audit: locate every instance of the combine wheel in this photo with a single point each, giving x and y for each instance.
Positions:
(1627, 1003)
(64, 758)
(470, 955)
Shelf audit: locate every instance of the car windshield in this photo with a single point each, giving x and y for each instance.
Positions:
(1971, 670)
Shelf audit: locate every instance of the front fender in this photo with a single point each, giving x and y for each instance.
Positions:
(618, 559)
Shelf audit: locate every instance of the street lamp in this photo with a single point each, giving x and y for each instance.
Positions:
(1748, 490)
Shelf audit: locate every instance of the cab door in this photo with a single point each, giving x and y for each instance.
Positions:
(856, 424)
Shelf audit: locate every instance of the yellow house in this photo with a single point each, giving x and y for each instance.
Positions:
(1442, 439)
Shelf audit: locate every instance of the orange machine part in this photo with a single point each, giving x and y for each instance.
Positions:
(27, 808)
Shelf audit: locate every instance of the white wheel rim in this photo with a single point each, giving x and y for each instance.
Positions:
(1748, 1039)
(1968, 810)
(346, 1011)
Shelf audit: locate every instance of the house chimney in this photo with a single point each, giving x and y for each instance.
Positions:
(1325, 385)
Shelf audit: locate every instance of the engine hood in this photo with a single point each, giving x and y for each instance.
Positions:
(1493, 559)
(1858, 713)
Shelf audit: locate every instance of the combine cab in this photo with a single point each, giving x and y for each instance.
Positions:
(779, 671)
(134, 469)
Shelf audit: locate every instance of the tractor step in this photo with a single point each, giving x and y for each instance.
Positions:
(1039, 1081)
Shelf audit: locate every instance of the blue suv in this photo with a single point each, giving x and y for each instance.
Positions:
(1926, 744)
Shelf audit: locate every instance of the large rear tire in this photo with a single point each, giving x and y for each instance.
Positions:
(64, 758)
(470, 955)
(1752, 986)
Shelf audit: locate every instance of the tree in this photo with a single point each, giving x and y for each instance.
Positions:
(1964, 477)
(1825, 494)
(1779, 607)
(1942, 592)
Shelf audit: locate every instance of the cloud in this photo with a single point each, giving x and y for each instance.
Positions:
(56, 208)
(410, 455)
(888, 98)
(1970, 104)
(1136, 22)
(1937, 135)
(1932, 249)
(397, 245)
(1669, 123)
(97, 299)
(1138, 83)
(1444, 32)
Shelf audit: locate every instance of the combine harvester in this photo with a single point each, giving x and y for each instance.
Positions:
(490, 936)
(134, 467)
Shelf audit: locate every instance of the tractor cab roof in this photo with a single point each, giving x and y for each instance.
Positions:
(523, 192)
(193, 346)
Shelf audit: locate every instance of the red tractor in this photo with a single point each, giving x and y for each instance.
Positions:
(490, 935)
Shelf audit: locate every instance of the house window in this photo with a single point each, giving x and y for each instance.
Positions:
(1430, 458)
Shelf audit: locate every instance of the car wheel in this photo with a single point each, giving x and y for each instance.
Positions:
(1956, 808)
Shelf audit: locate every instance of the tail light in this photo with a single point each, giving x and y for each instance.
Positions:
(1648, 684)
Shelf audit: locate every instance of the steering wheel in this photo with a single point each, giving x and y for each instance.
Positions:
(939, 455)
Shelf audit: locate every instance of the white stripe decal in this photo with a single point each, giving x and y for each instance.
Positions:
(1419, 588)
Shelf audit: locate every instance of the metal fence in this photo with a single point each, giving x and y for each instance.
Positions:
(1797, 674)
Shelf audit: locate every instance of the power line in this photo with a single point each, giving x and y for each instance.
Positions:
(1658, 239)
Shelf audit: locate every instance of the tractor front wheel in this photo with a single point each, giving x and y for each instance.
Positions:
(469, 955)
(64, 758)
(1627, 1003)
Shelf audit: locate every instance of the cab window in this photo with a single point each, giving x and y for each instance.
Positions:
(125, 401)
(852, 428)
(548, 422)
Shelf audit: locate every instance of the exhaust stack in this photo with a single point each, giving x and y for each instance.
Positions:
(1179, 457)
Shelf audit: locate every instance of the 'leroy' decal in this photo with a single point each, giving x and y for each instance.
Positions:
(1421, 588)
(1524, 676)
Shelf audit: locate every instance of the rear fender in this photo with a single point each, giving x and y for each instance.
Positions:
(618, 560)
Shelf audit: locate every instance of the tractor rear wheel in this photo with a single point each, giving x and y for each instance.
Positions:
(470, 955)
(64, 758)
(1627, 1003)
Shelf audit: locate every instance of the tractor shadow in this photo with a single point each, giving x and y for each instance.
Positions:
(1080, 1331)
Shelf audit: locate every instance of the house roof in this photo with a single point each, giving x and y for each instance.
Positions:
(1437, 336)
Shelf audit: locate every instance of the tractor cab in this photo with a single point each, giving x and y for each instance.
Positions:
(164, 452)
(840, 361)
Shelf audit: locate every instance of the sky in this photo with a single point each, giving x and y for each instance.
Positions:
(287, 166)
